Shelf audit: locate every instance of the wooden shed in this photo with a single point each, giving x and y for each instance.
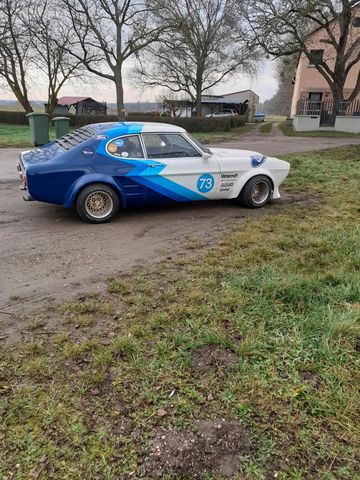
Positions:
(79, 106)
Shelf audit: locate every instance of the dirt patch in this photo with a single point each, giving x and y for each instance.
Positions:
(213, 446)
(212, 357)
(310, 378)
(63, 257)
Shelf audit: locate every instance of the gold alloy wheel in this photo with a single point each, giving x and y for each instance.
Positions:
(99, 204)
(260, 192)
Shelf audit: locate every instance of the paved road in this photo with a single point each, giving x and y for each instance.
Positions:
(45, 250)
(277, 144)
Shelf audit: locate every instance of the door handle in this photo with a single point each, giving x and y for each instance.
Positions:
(153, 165)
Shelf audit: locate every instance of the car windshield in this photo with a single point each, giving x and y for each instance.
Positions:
(200, 145)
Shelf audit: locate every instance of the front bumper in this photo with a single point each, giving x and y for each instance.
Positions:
(22, 173)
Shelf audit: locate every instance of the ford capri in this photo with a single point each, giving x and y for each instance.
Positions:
(102, 168)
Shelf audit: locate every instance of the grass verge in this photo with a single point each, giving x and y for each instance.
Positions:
(17, 135)
(217, 137)
(266, 128)
(289, 131)
(280, 295)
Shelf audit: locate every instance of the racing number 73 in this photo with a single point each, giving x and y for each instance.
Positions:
(205, 183)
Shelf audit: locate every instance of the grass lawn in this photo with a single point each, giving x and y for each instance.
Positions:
(215, 137)
(289, 131)
(266, 127)
(262, 330)
(275, 118)
(17, 135)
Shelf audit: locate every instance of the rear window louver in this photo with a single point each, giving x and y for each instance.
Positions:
(75, 138)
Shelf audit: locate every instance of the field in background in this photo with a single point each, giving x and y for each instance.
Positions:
(261, 330)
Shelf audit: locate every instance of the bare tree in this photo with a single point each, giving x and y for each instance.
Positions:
(174, 103)
(51, 39)
(15, 49)
(110, 32)
(206, 42)
(283, 27)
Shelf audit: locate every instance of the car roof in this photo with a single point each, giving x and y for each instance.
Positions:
(125, 128)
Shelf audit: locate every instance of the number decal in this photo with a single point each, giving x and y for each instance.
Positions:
(205, 183)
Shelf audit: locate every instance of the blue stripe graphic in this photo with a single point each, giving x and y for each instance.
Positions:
(147, 176)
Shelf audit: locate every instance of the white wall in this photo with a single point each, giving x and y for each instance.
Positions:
(303, 123)
(348, 124)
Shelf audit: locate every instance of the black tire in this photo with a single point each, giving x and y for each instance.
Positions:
(97, 203)
(257, 192)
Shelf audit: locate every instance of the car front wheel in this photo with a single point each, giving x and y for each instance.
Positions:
(257, 192)
(97, 203)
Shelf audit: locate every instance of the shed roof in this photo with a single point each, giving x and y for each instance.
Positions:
(72, 100)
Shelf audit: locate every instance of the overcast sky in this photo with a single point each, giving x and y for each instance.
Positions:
(264, 84)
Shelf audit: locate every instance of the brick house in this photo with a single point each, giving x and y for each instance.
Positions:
(309, 84)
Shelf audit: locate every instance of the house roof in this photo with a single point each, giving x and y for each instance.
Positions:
(331, 20)
(72, 100)
(218, 100)
(241, 91)
(229, 98)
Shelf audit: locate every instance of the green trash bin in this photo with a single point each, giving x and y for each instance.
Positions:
(62, 126)
(39, 128)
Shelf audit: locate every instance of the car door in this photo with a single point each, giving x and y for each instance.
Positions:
(177, 170)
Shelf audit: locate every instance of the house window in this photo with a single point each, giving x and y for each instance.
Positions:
(316, 56)
(356, 22)
(315, 97)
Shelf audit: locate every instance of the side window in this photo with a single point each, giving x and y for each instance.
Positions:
(125, 147)
(168, 145)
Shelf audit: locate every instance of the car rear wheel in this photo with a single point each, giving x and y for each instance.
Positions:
(257, 192)
(97, 203)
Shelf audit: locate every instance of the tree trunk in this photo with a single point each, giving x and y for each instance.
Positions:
(338, 96)
(22, 99)
(52, 102)
(119, 96)
(198, 101)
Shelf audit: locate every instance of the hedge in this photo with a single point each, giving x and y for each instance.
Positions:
(17, 118)
(191, 124)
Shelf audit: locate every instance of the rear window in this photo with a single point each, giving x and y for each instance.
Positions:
(75, 138)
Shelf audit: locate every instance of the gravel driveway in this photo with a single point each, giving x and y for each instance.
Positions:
(277, 144)
(45, 250)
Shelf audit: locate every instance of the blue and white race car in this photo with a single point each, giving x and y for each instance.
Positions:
(103, 167)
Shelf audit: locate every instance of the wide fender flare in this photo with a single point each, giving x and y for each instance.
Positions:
(255, 172)
(85, 180)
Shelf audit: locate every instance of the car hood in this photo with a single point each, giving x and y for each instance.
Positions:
(235, 153)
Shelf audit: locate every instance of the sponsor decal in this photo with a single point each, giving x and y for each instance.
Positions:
(112, 148)
(205, 183)
(227, 181)
(257, 160)
(101, 137)
(87, 151)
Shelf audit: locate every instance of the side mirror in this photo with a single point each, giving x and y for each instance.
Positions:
(206, 156)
